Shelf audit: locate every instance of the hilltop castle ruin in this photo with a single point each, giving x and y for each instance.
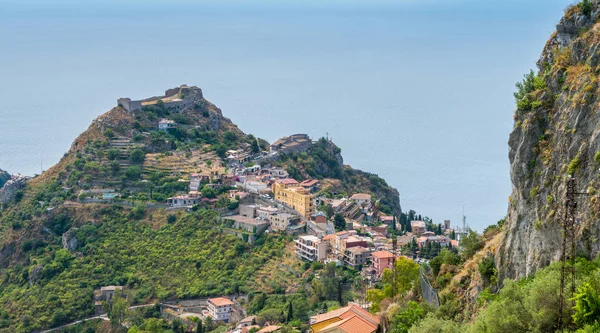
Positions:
(177, 98)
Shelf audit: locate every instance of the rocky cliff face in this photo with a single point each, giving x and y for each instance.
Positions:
(4, 177)
(556, 134)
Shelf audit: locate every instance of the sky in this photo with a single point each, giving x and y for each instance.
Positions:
(418, 92)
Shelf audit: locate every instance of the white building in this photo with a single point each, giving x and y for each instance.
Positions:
(362, 199)
(183, 200)
(220, 308)
(311, 248)
(165, 124)
(194, 182)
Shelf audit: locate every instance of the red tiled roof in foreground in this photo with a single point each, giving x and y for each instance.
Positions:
(352, 324)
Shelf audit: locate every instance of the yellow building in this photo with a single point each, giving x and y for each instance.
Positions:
(290, 193)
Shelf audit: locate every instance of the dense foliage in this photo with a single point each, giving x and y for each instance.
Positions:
(183, 259)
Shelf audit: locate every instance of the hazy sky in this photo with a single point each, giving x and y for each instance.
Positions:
(419, 92)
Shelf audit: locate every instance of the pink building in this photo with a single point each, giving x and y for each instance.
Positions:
(382, 260)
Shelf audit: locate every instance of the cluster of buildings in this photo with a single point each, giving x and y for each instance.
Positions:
(345, 248)
(349, 319)
(255, 219)
(211, 177)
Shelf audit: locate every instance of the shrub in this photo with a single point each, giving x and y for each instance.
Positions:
(487, 269)
(171, 218)
(534, 192)
(109, 133)
(137, 156)
(133, 172)
(112, 154)
(597, 156)
(574, 164)
(586, 7)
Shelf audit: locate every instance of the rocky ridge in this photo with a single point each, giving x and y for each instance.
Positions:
(556, 135)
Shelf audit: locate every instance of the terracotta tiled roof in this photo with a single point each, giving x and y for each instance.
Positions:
(220, 301)
(309, 182)
(361, 196)
(345, 313)
(248, 328)
(382, 254)
(288, 181)
(352, 324)
(270, 328)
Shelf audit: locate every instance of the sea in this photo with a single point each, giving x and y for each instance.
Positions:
(418, 92)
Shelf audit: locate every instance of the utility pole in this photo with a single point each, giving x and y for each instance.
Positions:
(568, 245)
(394, 249)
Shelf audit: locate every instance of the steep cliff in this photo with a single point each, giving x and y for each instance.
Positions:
(556, 134)
(4, 177)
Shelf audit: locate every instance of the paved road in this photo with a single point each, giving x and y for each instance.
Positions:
(103, 317)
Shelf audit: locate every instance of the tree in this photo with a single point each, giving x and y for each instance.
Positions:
(117, 309)
(407, 317)
(199, 328)
(471, 243)
(137, 156)
(112, 154)
(394, 227)
(587, 304)
(339, 221)
(290, 313)
(208, 324)
(254, 146)
(446, 257)
(133, 172)
(208, 192)
(432, 324)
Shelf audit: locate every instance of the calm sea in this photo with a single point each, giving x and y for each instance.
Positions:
(419, 92)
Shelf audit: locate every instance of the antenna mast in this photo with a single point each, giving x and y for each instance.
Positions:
(464, 218)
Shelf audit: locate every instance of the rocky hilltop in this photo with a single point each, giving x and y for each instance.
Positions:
(556, 135)
(101, 217)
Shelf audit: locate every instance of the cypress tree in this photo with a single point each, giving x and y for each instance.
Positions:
(290, 314)
(199, 329)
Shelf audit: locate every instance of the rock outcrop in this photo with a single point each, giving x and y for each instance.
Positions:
(4, 177)
(556, 134)
(69, 240)
(9, 191)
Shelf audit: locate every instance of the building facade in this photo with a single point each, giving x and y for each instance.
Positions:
(220, 308)
(381, 260)
(357, 257)
(295, 197)
(311, 248)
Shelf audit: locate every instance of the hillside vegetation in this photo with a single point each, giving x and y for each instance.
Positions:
(57, 246)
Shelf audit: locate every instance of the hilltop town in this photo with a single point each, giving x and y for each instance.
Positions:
(173, 163)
